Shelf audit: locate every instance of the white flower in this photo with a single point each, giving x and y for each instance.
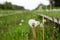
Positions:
(20, 24)
(37, 23)
(22, 20)
(33, 22)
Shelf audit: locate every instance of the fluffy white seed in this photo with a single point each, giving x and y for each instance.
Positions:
(32, 21)
(20, 24)
(37, 23)
(22, 20)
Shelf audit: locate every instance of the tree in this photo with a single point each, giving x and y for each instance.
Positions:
(10, 6)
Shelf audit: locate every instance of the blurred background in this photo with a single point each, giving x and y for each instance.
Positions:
(15, 16)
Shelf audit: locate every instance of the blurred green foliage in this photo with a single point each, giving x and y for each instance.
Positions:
(11, 30)
(10, 6)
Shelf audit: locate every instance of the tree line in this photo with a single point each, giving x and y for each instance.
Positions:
(10, 6)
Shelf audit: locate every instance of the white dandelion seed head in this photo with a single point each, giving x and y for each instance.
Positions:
(37, 23)
(32, 21)
(20, 24)
(22, 20)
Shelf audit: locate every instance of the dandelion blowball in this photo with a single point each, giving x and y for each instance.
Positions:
(33, 22)
(20, 24)
(22, 20)
(37, 23)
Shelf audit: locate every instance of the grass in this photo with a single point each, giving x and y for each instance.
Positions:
(11, 30)
(51, 14)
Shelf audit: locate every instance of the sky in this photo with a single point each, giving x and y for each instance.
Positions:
(27, 4)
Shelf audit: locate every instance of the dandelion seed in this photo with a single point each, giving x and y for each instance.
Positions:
(22, 20)
(20, 24)
(37, 23)
(32, 21)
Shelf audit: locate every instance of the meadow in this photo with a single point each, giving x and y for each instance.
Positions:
(11, 30)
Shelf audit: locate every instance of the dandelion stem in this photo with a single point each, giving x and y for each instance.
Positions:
(34, 33)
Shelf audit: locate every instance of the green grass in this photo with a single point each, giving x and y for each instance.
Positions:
(11, 30)
(51, 14)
